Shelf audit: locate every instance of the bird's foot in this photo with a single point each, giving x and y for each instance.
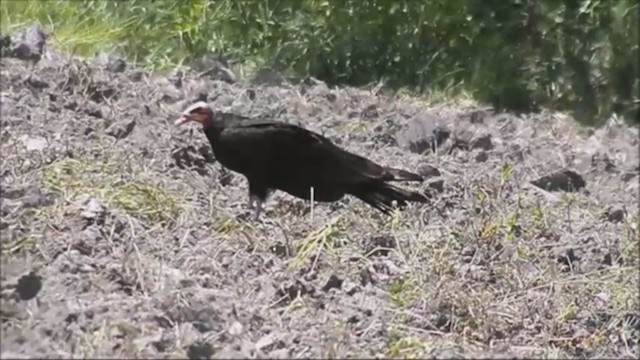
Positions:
(252, 214)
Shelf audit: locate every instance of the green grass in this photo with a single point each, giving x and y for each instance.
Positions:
(151, 34)
(501, 57)
(82, 31)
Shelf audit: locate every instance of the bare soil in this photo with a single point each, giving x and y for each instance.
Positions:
(123, 237)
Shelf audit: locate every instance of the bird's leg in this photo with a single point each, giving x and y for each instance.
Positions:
(253, 199)
(257, 210)
(257, 196)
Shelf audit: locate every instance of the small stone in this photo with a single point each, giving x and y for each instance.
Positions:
(111, 62)
(28, 43)
(424, 132)
(334, 282)
(476, 272)
(266, 340)
(226, 261)
(35, 143)
(280, 250)
(236, 328)
(387, 267)
(284, 353)
(36, 82)
(616, 215)
(628, 176)
(468, 251)
(86, 268)
(482, 156)
(92, 234)
(516, 153)
(350, 287)
(94, 210)
(200, 350)
(34, 198)
(482, 142)
(28, 286)
(567, 257)
(427, 171)
(121, 130)
(215, 67)
(603, 296)
(5, 43)
(566, 180)
(437, 185)
(602, 163)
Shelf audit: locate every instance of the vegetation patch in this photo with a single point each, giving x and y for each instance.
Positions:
(142, 199)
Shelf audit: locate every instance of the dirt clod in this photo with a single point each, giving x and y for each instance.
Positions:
(34, 197)
(28, 286)
(566, 180)
(200, 350)
(482, 142)
(334, 282)
(616, 215)
(482, 156)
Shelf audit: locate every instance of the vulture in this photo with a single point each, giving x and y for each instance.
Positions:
(280, 156)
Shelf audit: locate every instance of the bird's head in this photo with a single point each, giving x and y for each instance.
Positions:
(199, 112)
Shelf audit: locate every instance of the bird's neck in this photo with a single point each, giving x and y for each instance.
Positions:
(212, 132)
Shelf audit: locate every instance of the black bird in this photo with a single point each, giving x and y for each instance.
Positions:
(279, 156)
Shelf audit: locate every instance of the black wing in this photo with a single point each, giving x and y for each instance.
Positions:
(295, 153)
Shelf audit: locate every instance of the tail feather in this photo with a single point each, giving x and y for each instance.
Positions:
(382, 195)
(402, 175)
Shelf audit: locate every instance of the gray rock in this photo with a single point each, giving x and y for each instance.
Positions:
(94, 210)
(615, 215)
(35, 198)
(28, 43)
(28, 286)
(5, 43)
(427, 171)
(482, 156)
(628, 176)
(267, 76)
(437, 185)
(121, 130)
(424, 132)
(215, 67)
(482, 142)
(334, 282)
(200, 350)
(111, 63)
(566, 180)
(36, 143)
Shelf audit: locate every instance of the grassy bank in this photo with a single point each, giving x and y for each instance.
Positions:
(579, 56)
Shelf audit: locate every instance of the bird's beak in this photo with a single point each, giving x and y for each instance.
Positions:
(183, 119)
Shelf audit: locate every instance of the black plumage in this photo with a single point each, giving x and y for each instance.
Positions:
(279, 156)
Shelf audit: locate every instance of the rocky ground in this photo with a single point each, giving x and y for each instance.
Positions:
(123, 237)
